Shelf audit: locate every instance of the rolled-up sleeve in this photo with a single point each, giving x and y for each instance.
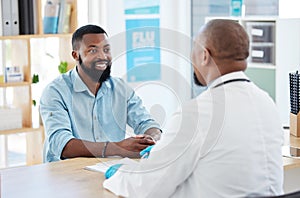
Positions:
(56, 121)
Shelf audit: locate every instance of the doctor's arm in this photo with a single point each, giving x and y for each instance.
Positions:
(174, 156)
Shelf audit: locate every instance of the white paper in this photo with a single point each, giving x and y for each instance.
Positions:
(257, 32)
(103, 166)
(257, 53)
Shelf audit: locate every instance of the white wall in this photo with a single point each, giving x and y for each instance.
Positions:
(290, 33)
(289, 8)
(287, 61)
(82, 12)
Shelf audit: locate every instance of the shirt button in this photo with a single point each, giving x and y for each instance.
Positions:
(95, 117)
(97, 138)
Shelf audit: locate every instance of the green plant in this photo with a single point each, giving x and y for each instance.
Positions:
(63, 67)
(34, 102)
(35, 79)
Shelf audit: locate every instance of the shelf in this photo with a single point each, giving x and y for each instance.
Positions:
(15, 84)
(21, 130)
(258, 18)
(30, 36)
(261, 65)
(244, 19)
(30, 52)
(262, 44)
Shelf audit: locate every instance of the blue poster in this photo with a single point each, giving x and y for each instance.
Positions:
(141, 6)
(143, 49)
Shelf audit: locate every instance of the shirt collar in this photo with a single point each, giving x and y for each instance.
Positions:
(78, 84)
(229, 76)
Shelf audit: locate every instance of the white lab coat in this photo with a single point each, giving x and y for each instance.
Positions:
(225, 143)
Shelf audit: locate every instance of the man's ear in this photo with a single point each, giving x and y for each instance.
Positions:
(206, 56)
(75, 55)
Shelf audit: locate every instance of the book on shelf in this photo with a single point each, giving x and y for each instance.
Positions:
(27, 16)
(31, 16)
(9, 17)
(35, 16)
(24, 16)
(6, 21)
(64, 17)
(50, 20)
(14, 74)
(14, 17)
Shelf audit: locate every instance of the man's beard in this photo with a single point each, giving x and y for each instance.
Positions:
(93, 73)
(197, 82)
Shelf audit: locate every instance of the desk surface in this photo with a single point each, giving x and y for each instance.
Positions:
(290, 163)
(58, 179)
(68, 178)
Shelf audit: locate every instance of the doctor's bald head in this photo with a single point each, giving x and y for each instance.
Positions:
(220, 47)
(225, 39)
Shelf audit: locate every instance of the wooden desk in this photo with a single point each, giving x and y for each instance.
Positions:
(58, 179)
(290, 163)
(66, 178)
(294, 141)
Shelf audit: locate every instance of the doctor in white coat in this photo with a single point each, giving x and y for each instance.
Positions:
(224, 143)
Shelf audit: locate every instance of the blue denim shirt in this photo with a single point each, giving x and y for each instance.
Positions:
(69, 110)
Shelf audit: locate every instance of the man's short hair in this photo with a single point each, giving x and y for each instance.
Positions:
(87, 29)
(226, 39)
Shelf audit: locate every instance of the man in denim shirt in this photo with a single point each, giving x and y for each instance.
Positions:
(85, 111)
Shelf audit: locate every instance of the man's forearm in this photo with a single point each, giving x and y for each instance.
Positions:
(129, 147)
(82, 148)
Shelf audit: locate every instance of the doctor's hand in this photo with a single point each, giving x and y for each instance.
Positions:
(146, 152)
(130, 147)
(112, 170)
